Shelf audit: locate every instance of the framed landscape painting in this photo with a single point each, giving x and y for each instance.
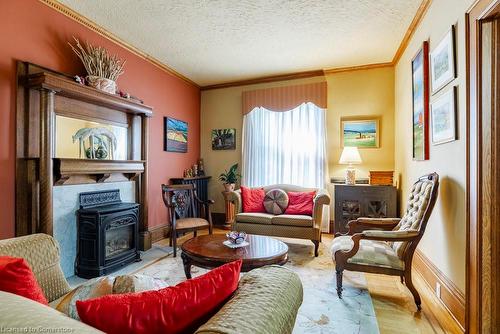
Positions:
(443, 61)
(360, 133)
(175, 135)
(224, 139)
(443, 118)
(420, 94)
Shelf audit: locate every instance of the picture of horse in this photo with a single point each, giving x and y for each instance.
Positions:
(175, 135)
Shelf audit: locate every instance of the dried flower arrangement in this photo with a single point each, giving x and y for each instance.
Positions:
(103, 69)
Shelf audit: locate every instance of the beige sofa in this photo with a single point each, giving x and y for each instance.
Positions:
(288, 226)
(267, 299)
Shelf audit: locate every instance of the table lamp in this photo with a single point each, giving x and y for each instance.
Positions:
(350, 156)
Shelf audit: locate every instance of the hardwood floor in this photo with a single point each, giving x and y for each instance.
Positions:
(393, 303)
(396, 310)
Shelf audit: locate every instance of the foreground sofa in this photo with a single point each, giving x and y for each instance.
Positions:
(287, 226)
(267, 299)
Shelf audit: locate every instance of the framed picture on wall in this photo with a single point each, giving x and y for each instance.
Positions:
(360, 132)
(443, 61)
(443, 117)
(224, 139)
(175, 136)
(420, 95)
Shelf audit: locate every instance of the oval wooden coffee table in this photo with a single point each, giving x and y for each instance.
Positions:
(207, 251)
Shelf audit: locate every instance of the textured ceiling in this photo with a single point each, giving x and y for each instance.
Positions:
(214, 41)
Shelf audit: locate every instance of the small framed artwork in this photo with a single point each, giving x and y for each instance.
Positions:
(175, 137)
(443, 61)
(420, 93)
(224, 139)
(360, 132)
(443, 118)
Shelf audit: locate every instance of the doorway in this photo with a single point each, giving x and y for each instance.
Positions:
(483, 167)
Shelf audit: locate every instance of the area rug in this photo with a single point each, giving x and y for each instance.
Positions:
(322, 311)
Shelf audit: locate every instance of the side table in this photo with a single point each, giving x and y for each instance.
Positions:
(229, 210)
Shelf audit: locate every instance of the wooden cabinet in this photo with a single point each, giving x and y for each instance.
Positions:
(354, 201)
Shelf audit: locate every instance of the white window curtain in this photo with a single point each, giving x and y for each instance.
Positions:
(285, 147)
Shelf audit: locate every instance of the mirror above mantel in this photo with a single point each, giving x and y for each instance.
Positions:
(69, 134)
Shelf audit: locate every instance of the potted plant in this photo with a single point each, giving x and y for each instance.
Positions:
(230, 177)
(103, 69)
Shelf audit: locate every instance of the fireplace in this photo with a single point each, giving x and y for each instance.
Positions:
(107, 231)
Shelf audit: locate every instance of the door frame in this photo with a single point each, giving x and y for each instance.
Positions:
(483, 184)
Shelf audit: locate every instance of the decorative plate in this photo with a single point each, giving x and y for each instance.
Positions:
(231, 245)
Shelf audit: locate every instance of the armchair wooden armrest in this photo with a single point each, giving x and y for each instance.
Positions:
(361, 224)
(377, 235)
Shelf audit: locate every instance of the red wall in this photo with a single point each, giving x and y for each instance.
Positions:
(31, 31)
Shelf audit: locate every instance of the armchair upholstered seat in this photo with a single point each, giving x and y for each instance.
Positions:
(386, 245)
(378, 253)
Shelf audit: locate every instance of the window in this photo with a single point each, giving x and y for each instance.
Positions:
(285, 146)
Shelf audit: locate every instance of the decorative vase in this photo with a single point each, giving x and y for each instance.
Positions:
(106, 85)
(229, 187)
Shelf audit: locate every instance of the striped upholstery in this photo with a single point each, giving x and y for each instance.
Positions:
(374, 253)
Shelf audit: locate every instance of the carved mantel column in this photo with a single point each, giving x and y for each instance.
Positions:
(144, 233)
(45, 160)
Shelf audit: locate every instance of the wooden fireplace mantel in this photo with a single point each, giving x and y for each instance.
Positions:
(63, 86)
(78, 171)
(42, 95)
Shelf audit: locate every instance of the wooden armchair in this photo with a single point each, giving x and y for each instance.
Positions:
(386, 245)
(182, 205)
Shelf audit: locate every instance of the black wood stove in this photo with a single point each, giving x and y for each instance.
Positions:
(107, 233)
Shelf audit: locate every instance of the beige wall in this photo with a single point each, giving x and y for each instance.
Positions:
(357, 93)
(445, 238)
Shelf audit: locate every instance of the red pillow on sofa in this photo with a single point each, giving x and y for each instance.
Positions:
(16, 277)
(253, 199)
(177, 309)
(300, 203)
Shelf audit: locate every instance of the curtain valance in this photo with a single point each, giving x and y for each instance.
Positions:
(285, 98)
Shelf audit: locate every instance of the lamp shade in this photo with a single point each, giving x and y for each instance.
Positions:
(349, 156)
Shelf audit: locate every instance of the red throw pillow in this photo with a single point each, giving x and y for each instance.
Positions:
(300, 203)
(16, 277)
(253, 199)
(177, 309)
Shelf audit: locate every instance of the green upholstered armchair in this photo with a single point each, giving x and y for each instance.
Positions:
(386, 245)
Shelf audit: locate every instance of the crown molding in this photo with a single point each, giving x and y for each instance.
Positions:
(271, 78)
(358, 67)
(65, 10)
(419, 15)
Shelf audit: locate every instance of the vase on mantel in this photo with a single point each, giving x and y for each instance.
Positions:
(106, 85)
